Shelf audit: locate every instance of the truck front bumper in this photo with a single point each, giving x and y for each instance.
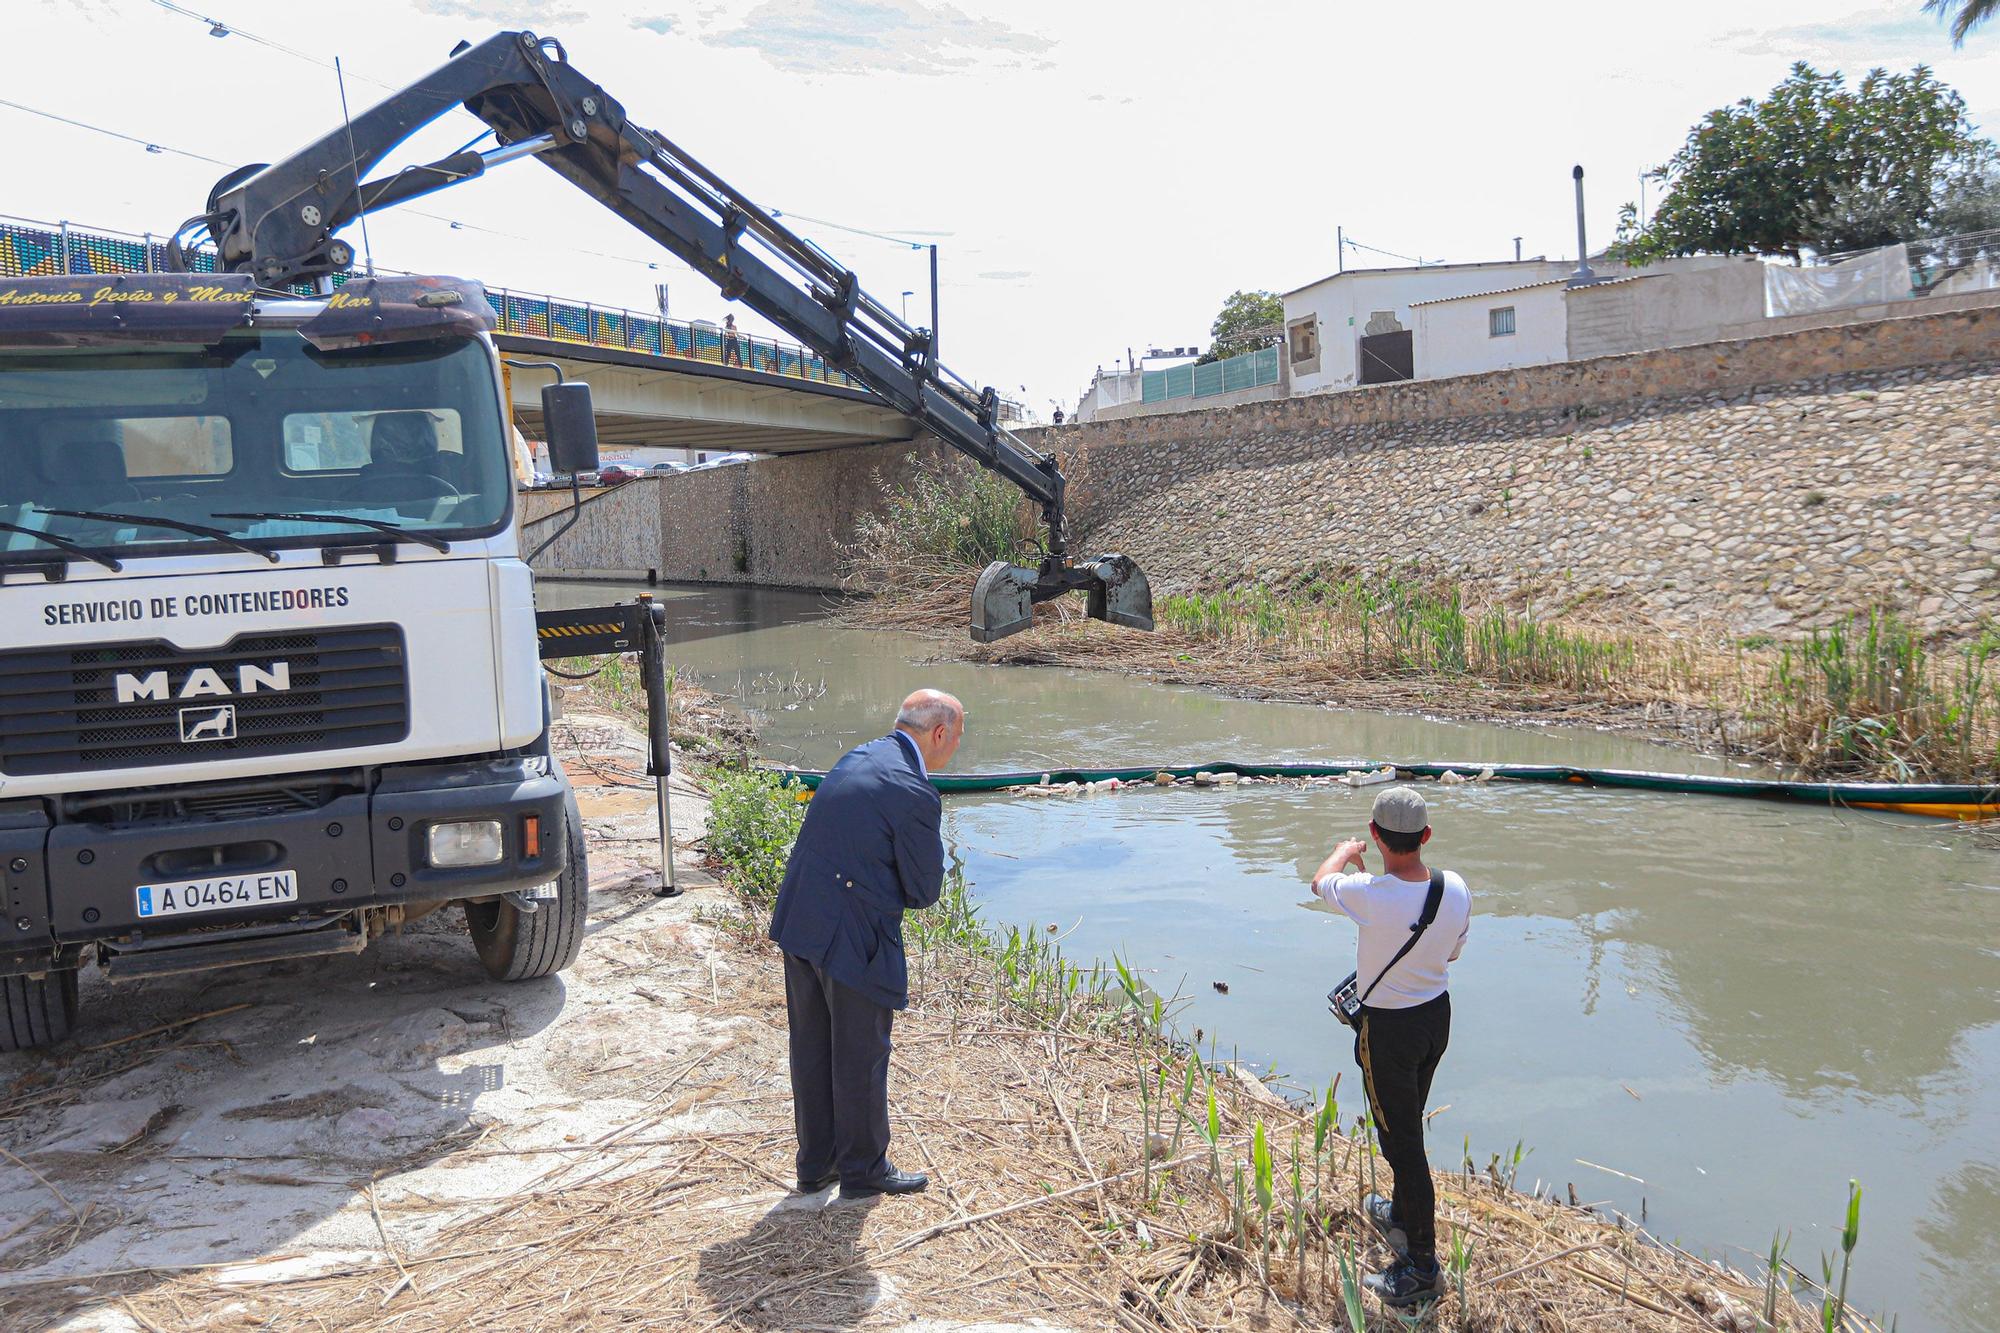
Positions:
(72, 883)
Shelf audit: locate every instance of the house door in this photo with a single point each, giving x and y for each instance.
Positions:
(1387, 357)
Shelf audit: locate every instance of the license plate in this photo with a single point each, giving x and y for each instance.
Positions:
(178, 897)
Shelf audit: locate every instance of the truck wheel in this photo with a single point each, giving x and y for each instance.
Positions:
(517, 946)
(36, 1011)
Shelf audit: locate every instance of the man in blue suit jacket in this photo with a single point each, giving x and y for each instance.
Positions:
(869, 849)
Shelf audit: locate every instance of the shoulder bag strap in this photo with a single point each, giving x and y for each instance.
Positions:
(1431, 903)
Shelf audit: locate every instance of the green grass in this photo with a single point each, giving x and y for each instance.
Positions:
(1409, 626)
(753, 820)
(1865, 698)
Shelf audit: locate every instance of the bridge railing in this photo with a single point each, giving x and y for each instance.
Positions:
(30, 249)
(689, 340)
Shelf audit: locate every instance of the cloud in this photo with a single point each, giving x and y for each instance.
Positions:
(505, 12)
(661, 24)
(877, 36)
(1008, 274)
(1871, 37)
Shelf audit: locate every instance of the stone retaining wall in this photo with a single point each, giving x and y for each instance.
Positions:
(1767, 484)
(1763, 504)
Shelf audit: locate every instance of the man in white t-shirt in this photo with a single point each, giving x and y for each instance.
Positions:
(1405, 1020)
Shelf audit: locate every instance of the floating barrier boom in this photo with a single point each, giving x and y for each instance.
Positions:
(1940, 800)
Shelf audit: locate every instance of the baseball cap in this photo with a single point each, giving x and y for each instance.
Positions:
(1401, 810)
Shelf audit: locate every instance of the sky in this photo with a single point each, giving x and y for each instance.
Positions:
(1097, 177)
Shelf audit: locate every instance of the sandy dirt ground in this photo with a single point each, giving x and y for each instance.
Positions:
(231, 1129)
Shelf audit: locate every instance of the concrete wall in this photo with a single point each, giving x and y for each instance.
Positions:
(1865, 314)
(1769, 484)
(1455, 337)
(1676, 304)
(777, 523)
(617, 532)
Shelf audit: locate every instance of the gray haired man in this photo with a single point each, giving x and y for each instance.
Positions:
(1405, 1019)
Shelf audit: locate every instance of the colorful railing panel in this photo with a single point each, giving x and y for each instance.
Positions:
(32, 250)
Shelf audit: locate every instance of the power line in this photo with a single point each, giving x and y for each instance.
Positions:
(858, 231)
(147, 144)
(218, 28)
(1353, 244)
(454, 223)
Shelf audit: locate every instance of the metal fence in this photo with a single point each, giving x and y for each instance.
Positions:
(1251, 370)
(37, 250)
(625, 330)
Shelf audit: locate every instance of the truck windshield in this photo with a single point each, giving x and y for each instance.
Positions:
(408, 437)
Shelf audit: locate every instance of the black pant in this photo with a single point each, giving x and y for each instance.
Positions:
(840, 1076)
(1398, 1051)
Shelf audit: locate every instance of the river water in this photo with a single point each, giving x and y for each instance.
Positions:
(1740, 1004)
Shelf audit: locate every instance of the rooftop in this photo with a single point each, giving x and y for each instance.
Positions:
(1430, 268)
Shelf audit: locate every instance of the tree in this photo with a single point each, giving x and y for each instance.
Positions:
(1971, 13)
(1249, 320)
(1813, 166)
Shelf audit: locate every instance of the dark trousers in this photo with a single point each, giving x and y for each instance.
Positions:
(1398, 1051)
(840, 1076)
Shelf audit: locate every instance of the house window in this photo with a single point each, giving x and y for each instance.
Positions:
(1500, 321)
(1304, 340)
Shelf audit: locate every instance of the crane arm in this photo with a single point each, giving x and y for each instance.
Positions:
(280, 221)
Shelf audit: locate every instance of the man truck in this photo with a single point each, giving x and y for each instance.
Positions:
(271, 681)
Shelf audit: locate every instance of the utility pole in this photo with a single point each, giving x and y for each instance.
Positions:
(934, 305)
(1340, 244)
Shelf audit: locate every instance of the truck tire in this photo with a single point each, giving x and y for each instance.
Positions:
(518, 946)
(36, 1011)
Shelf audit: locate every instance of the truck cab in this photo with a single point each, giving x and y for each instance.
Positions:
(270, 685)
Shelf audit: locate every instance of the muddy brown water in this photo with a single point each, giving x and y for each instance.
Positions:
(1740, 1004)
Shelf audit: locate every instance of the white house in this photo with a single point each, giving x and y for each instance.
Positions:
(1356, 327)
(1495, 330)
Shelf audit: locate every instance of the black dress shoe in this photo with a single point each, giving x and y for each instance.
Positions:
(896, 1182)
(827, 1181)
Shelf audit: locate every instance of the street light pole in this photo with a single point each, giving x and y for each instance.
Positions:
(906, 307)
(934, 305)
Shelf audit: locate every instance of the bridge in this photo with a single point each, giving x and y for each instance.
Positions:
(655, 382)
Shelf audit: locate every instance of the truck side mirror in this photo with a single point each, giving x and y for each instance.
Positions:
(570, 423)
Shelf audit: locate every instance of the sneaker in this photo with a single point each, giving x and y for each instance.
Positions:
(1404, 1284)
(1382, 1214)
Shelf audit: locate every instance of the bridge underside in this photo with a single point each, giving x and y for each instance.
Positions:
(643, 400)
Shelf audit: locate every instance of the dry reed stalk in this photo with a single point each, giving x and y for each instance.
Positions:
(595, 1243)
(1674, 684)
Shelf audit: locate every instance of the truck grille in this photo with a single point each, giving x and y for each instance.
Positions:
(287, 693)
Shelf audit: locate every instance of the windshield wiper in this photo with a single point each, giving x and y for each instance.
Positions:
(379, 524)
(194, 529)
(65, 545)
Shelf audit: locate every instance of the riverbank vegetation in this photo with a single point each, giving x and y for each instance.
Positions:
(1095, 1168)
(1862, 698)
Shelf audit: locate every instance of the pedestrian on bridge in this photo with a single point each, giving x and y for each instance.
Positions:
(869, 850)
(731, 344)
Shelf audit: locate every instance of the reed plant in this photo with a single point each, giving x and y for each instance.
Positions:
(945, 517)
(1863, 698)
(1260, 1219)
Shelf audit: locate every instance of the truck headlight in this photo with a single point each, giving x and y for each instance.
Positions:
(467, 842)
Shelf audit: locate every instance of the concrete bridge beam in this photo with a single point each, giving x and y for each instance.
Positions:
(643, 399)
